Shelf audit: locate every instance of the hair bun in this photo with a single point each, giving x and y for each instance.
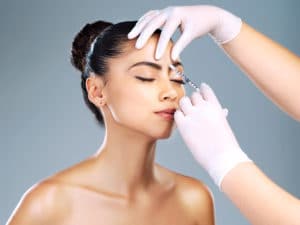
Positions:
(82, 42)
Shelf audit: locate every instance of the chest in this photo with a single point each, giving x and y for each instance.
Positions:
(112, 212)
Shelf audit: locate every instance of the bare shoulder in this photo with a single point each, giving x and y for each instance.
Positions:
(49, 201)
(196, 199)
(189, 189)
(193, 189)
(44, 203)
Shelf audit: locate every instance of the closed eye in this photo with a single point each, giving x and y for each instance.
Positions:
(179, 81)
(144, 79)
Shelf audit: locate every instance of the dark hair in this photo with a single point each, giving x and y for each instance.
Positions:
(93, 46)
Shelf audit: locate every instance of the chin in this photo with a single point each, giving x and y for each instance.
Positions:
(164, 137)
(152, 130)
(163, 133)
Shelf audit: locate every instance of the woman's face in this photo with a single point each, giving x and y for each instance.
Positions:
(142, 93)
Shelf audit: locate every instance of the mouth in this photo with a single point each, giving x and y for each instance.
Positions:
(167, 114)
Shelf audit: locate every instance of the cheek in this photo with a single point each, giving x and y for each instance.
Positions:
(128, 102)
(180, 92)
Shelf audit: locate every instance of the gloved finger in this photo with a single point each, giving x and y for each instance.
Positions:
(180, 44)
(147, 14)
(179, 117)
(156, 22)
(197, 98)
(185, 105)
(209, 95)
(141, 23)
(165, 36)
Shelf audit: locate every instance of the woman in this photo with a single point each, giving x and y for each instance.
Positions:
(134, 96)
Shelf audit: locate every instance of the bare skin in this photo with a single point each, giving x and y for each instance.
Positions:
(268, 204)
(272, 68)
(121, 183)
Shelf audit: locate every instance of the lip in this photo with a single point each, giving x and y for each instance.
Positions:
(167, 114)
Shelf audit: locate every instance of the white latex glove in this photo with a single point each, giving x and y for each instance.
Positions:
(204, 128)
(193, 21)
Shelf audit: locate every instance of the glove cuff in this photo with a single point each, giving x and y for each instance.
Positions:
(227, 162)
(228, 28)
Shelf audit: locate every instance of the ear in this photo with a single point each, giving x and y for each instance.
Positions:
(94, 86)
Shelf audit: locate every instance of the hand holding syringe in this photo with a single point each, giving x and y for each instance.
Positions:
(185, 78)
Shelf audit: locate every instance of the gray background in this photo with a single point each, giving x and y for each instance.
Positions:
(45, 126)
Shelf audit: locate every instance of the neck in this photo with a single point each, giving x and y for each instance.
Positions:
(127, 157)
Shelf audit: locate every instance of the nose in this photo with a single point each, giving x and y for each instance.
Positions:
(168, 91)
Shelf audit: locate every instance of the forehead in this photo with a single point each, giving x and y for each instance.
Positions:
(131, 54)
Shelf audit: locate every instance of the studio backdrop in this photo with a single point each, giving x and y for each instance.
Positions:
(46, 127)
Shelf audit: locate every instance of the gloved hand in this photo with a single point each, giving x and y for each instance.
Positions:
(204, 128)
(194, 21)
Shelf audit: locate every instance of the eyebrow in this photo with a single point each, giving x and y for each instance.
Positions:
(153, 65)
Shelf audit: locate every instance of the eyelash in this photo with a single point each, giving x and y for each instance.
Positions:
(143, 79)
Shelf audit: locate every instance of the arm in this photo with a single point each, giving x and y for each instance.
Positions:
(273, 69)
(205, 130)
(258, 198)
